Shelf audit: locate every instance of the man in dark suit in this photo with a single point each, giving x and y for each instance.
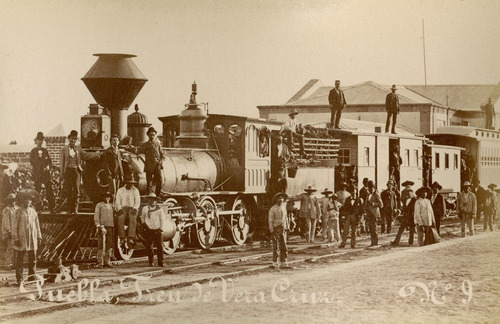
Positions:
(71, 168)
(337, 102)
(438, 204)
(392, 107)
(390, 207)
(113, 164)
(41, 163)
(489, 111)
(153, 164)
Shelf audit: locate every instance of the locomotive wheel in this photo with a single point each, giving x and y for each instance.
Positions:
(206, 231)
(122, 252)
(169, 247)
(240, 224)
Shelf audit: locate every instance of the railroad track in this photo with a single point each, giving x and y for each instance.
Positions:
(18, 305)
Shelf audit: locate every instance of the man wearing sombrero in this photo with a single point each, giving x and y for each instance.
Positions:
(103, 219)
(152, 221)
(466, 207)
(127, 202)
(26, 235)
(490, 206)
(278, 225)
(329, 212)
(41, 163)
(438, 204)
(309, 210)
(290, 130)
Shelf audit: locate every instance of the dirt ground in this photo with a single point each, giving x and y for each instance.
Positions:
(452, 282)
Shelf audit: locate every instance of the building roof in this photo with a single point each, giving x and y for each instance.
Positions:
(364, 127)
(459, 97)
(56, 132)
(366, 93)
(16, 148)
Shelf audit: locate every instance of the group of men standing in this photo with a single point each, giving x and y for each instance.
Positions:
(337, 102)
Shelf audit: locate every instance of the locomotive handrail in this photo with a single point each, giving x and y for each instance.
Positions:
(188, 178)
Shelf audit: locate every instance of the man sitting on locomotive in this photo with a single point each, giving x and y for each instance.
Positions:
(127, 202)
(290, 129)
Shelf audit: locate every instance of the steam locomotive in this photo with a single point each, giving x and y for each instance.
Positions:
(217, 179)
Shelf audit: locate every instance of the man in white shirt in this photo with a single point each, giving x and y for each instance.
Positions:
(127, 204)
(289, 129)
(278, 225)
(152, 220)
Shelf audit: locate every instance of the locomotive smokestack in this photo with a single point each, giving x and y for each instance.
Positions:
(192, 123)
(114, 81)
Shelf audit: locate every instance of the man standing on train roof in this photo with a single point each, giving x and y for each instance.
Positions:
(392, 107)
(41, 163)
(127, 202)
(113, 164)
(438, 204)
(71, 168)
(337, 102)
(153, 166)
(489, 111)
(466, 208)
(309, 210)
(290, 129)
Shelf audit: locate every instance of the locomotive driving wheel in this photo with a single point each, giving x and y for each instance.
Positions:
(170, 246)
(206, 231)
(240, 223)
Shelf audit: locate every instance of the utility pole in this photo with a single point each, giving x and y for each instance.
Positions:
(423, 40)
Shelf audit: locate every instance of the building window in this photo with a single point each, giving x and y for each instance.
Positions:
(344, 156)
(446, 161)
(437, 160)
(367, 156)
(407, 157)
(455, 161)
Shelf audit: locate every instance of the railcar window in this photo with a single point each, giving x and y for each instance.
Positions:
(407, 157)
(436, 158)
(344, 156)
(416, 157)
(446, 161)
(455, 161)
(367, 156)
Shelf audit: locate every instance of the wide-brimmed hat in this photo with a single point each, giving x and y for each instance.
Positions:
(423, 189)
(151, 195)
(394, 87)
(73, 134)
(130, 180)
(327, 192)
(115, 135)
(151, 129)
(466, 184)
(39, 136)
(370, 184)
(436, 184)
(334, 196)
(107, 194)
(25, 194)
(10, 197)
(280, 194)
(492, 186)
(293, 112)
(310, 189)
(408, 183)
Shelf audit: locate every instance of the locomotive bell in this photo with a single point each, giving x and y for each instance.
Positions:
(192, 124)
(114, 81)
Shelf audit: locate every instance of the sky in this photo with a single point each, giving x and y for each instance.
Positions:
(241, 53)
